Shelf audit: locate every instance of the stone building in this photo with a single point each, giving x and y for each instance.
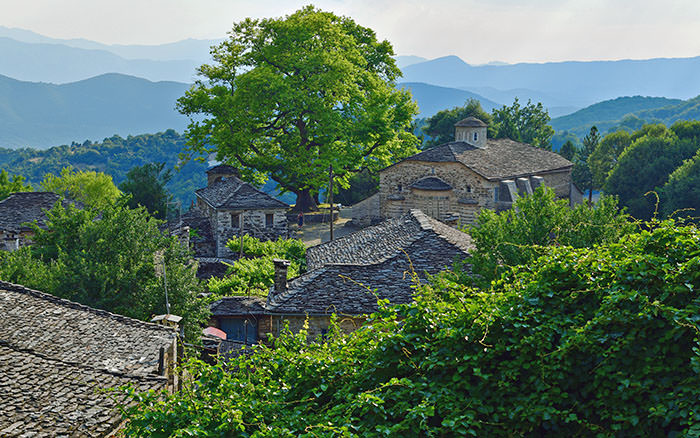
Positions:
(227, 207)
(346, 276)
(18, 210)
(58, 358)
(453, 181)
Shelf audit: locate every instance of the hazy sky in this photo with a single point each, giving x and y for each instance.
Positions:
(478, 31)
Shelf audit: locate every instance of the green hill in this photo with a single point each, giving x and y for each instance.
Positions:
(609, 113)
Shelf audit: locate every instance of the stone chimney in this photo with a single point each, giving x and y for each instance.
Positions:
(280, 286)
(220, 173)
(472, 131)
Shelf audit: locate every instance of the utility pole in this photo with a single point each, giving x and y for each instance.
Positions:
(241, 219)
(330, 197)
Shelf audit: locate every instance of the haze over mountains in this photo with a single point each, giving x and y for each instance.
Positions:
(55, 91)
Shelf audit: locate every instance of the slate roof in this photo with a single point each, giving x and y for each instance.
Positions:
(231, 306)
(235, 194)
(349, 274)
(56, 357)
(20, 208)
(431, 183)
(500, 159)
(223, 168)
(471, 122)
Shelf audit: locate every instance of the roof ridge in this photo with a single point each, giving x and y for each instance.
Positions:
(12, 287)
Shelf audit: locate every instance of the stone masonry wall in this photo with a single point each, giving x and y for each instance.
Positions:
(318, 324)
(253, 225)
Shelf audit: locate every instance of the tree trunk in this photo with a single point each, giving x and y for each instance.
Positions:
(305, 202)
(590, 196)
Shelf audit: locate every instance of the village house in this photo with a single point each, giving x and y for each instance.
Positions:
(58, 357)
(228, 207)
(453, 181)
(20, 209)
(347, 276)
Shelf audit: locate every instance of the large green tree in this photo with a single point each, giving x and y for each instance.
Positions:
(146, 187)
(93, 189)
(645, 166)
(680, 196)
(605, 154)
(441, 126)
(581, 173)
(528, 124)
(289, 97)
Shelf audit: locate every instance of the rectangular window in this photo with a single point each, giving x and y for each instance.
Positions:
(495, 194)
(269, 220)
(235, 220)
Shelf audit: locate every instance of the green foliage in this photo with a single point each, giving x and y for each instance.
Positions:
(568, 150)
(14, 185)
(362, 185)
(146, 187)
(289, 97)
(581, 174)
(645, 166)
(605, 154)
(528, 124)
(92, 189)
(681, 194)
(441, 126)
(519, 235)
(562, 137)
(255, 273)
(107, 259)
(581, 342)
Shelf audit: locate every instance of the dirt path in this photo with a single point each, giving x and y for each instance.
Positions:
(314, 234)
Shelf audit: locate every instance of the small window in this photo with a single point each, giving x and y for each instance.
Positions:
(476, 136)
(269, 220)
(433, 170)
(235, 220)
(399, 187)
(469, 189)
(495, 194)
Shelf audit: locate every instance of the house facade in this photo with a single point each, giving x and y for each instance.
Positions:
(232, 207)
(453, 181)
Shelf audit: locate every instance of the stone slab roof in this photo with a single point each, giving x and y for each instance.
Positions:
(241, 305)
(20, 208)
(349, 274)
(431, 183)
(234, 194)
(57, 355)
(386, 240)
(471, 122)
(499, 159)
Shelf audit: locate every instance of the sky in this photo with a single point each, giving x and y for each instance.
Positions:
(478, 31)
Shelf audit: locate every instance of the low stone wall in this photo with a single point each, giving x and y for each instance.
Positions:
(366, 212)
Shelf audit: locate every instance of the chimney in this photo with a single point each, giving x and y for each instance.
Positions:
(280, 286)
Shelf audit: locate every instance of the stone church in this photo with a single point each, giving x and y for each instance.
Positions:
(452, 182)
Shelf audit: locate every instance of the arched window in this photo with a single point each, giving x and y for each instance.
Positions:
(476, 136)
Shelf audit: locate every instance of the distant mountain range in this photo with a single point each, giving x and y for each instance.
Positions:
(572, 83)
(44, 115)
(432, 98)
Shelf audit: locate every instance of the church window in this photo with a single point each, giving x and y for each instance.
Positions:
(476, 136)
(399, 187)
(269, 220)
(235, 220)
(469, 188)
(495, 194)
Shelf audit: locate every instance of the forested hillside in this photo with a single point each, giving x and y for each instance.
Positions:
(114, 156)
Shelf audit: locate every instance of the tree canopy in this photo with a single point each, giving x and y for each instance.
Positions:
(92, 189)
(146, 187)
(680, 196)
(528, 124)
(289, 97)
(441, 126)
(581, 174)
(12, 185)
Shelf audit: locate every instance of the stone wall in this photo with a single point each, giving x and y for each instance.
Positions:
(318, 324)
(469, 191)
(366, 212)
(254, 224)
